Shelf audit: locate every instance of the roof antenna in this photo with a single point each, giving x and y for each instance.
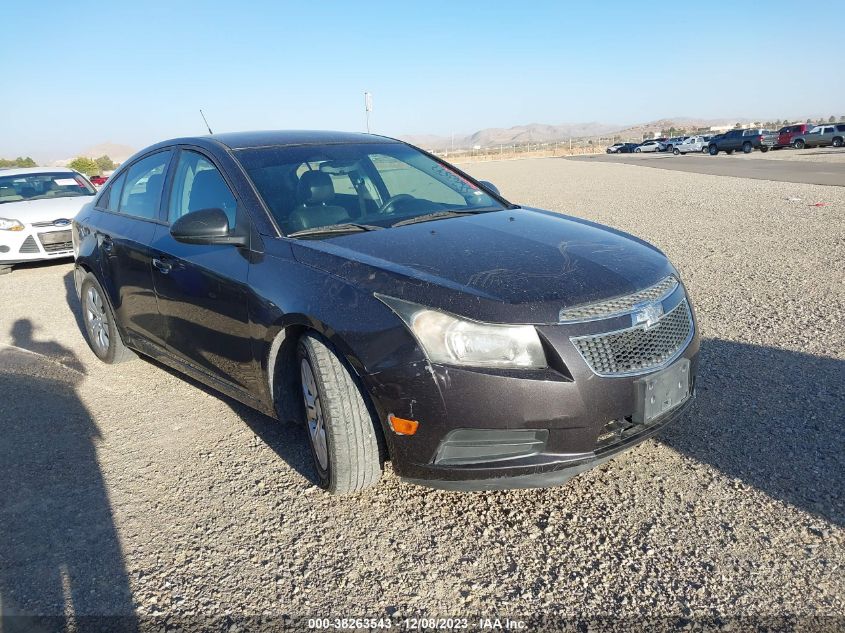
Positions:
(206, 122)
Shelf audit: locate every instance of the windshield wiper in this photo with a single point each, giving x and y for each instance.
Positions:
(437, 215)
(348, 227)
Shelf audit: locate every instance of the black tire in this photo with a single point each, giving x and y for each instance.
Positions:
(764, 149)
(350, 459)
(676, 152)
(638, 151)
(713, 150)
(799, 143)
(704, 149)
(838, 142)
(100, 328)
(747, 148)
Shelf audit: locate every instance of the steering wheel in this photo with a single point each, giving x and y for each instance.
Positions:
(388, 205)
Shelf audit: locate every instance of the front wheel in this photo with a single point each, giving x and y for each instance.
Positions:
(676, 151)
(747, 148)
(638, 151)
(704, 150)
(100, 326)
(713, 150)
(341, 431)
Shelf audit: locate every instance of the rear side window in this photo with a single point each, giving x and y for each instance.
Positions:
(111, 196)
(141, 195)
(197, 185)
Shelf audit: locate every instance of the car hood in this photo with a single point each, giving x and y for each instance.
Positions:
(513, 266)
(44, 210)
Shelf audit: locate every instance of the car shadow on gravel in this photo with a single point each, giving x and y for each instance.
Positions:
(61, 563)
(287, 439)
(773, 419)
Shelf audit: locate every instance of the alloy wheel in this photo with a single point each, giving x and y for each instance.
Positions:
(314, 415)
(97, 319)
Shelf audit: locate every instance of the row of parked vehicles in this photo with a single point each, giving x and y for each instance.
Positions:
(798, 136)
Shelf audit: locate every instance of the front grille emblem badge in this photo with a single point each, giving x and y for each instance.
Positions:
(647, 315)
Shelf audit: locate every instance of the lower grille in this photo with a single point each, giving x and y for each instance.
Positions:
(29, 246)
(638, 349)
(56, 241)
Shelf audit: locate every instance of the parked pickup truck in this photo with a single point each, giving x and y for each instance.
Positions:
(690, 144)
(820, 136)
(745, 140)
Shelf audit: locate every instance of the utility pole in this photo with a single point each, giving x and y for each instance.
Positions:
(368, 107)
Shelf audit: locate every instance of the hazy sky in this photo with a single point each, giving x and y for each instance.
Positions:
(84, 72)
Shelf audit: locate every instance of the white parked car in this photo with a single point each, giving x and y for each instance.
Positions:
(690, 144)
(37, 205)
(648, 146)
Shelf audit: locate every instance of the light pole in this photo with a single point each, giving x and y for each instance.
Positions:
(368, 107)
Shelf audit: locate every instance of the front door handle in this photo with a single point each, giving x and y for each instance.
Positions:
(107, 243)
(163, 267)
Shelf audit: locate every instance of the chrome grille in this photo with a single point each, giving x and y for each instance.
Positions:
(638, 349)
(619, 305)
(29, 246)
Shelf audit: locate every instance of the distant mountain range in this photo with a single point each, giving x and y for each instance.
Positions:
(118, 153)
(543, 133)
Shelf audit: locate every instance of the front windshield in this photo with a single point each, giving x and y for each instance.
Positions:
(375, 184)
(43, 185)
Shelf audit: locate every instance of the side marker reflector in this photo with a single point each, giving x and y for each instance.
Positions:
(401, 426)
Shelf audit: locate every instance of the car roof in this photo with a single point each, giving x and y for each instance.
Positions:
(271, 138)
(20, 171)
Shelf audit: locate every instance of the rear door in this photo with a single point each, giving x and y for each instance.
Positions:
(124, 231)
(201, 288)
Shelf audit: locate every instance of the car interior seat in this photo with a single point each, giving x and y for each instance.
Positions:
(315, 193)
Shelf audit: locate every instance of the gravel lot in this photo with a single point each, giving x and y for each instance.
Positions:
(130, 490)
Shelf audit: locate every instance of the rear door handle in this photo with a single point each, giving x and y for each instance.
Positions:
(163, 266)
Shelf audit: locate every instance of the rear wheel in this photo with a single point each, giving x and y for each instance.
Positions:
(704, 150)
(713, 150)
(838, 142)
(764, 149)
(638, 150)
(676, 151)
(341, 431)
(100, 327)
(747, 148)
(798, 143)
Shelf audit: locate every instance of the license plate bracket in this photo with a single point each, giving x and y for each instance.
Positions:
(661, 392)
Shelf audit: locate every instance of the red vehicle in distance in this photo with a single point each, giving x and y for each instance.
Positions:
(788, 133)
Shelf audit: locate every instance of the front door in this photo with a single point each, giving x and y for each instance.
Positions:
(201, 288)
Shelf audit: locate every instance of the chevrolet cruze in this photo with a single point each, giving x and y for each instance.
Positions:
(397, 307)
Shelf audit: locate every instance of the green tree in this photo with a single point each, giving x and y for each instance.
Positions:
(105, 163)
(84, 165)
(738, 126)
(832, 119)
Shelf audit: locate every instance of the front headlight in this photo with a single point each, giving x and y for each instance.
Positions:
(10, 225)
(451, 340)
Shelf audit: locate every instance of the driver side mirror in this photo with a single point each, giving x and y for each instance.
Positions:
(205, 226)
(489, 185)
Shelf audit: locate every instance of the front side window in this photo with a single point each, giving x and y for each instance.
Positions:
(197, 184)
(141, 195)
(42, 186)
(381, 184)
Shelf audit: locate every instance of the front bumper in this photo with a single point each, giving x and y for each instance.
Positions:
(568, 405)
(35, 243)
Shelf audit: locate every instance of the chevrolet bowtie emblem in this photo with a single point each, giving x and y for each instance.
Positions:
(647, 315)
